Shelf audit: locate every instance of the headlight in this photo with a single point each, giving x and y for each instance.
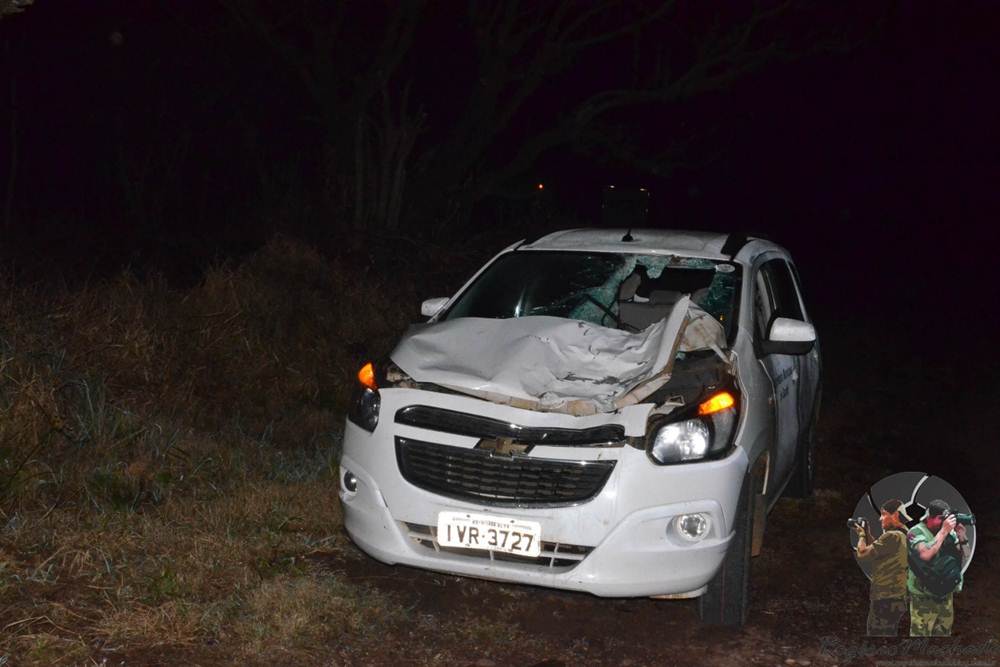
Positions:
(692, 438)
(364, 409)
(681, 441)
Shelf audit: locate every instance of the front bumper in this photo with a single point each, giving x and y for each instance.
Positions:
(621, 540)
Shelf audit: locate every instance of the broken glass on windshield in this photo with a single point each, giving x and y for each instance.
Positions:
(587, 286)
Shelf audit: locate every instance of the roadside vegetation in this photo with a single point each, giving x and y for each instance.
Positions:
(168, 480)
(168, 464)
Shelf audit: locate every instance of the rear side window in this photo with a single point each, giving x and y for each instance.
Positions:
(776, 295)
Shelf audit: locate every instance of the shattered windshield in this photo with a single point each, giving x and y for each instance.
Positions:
(625, 291)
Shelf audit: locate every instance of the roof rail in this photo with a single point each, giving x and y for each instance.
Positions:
(734, 243)
(528, 240)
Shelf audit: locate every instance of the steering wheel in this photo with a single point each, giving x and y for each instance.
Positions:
(607, 311)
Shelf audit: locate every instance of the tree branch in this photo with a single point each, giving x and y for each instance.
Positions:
(9, 7)
(611, 34)
(267, 33)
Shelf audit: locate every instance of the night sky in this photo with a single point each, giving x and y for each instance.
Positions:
(171, 133)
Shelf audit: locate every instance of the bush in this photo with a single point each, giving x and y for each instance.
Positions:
(114, 393)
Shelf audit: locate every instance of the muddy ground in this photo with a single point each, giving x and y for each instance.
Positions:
(891, 404)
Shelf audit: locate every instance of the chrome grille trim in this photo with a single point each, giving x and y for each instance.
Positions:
(477, 426)
(480, 476)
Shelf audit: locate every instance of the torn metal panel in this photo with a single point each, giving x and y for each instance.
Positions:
(703, 332)
(700, 331)
(544, 363)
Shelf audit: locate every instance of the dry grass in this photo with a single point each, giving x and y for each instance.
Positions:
(150, 385)
(228, 571)
(168, 462)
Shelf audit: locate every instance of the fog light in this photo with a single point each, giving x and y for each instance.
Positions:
(350, 481)
(692, 527)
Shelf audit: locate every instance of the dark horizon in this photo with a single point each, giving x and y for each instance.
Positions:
(172, 137)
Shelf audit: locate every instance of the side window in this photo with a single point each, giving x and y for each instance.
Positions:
(798, 286)
(776, 295)
(762, 305)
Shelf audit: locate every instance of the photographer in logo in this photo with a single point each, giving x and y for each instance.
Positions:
(937, 550)
(888, 557)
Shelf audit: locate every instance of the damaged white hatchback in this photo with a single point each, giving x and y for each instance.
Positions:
(594, 410)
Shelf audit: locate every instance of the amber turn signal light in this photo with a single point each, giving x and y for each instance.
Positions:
(717, 403)
(366, 376)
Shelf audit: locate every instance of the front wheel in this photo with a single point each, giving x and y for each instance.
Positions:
(727, 597)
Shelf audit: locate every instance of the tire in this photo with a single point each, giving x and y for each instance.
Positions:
(802, 481)
(727, 597)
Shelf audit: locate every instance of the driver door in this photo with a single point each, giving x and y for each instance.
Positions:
(775, 296)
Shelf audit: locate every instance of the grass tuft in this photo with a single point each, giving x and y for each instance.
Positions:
(168, 462)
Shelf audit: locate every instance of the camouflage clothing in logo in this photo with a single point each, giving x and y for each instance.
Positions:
(889, 565)
(921, 534)
(930, 616)
(884, 615)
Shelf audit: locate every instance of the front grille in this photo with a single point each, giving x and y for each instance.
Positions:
(481, 476)
(477, 426)
(554, 555)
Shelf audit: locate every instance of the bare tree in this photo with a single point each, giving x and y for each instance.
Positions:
(384, 144)
(8, 7)
(367, 134)
(12, 154)
(377, 165)
(521, 45)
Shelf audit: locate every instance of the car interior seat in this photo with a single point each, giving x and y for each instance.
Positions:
(639, 310)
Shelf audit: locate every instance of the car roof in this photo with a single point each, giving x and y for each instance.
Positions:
(649, 241)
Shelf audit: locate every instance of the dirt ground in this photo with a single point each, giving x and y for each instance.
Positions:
(242, 560)
(809, 598)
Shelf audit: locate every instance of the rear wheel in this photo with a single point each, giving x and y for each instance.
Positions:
(726, 599)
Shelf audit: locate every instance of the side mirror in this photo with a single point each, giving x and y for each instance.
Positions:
(788, 336)
(432, 307)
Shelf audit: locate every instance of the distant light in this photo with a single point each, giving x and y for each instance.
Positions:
(541, 186)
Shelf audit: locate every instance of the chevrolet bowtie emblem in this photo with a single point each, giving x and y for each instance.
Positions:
(503, 446)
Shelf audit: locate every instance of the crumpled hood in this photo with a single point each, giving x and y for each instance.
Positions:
(545, 363)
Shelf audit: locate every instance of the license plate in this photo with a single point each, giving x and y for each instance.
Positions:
(492, 533)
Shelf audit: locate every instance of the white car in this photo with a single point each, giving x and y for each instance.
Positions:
(596, 410)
